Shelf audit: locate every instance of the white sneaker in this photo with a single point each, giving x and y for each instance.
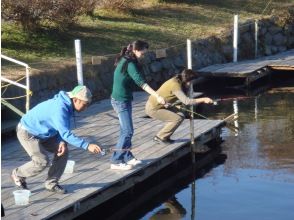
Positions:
(120, 166)
(134, 162)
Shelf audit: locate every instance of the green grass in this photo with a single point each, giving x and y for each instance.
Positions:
(161, 24)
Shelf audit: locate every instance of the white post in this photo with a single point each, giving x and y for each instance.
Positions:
(28, 89)
(189, 54)
(79, 62)
(235, 40)
(256, 38)
(236, 111)
(191, 91)
(255, 108)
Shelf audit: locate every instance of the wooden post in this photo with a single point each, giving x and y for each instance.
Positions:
(191, 91)
(79, 62)
(235, 40)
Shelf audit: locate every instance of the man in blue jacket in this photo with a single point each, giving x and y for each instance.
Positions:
(46, 128)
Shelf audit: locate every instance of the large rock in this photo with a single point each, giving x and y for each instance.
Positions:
(279, 39)
(282, 49)
(274, 30)
(179, 61)
(156, 66)
(247, 38)
(268, 50)
(268, 39)
(167, 63)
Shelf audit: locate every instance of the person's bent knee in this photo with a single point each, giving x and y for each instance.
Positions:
(180, 118)
(40, 163)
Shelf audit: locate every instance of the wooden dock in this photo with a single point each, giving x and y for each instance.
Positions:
(251, 70)
(92, 182)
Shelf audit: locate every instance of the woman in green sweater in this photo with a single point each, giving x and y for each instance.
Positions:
(125, 75)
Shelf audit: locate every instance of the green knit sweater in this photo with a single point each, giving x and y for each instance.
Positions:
(124, 82)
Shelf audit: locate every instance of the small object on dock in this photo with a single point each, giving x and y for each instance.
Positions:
(103, 152)
(21, 197)
(69, 168)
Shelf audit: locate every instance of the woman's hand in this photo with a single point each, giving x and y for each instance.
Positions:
(207, 100)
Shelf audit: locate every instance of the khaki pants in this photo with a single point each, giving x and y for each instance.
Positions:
(37, 149)
(170, 116)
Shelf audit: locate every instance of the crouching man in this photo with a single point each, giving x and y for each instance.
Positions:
(46, 128)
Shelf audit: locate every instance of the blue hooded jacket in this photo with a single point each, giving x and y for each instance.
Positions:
(52, 117)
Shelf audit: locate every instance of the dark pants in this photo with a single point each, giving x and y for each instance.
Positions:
(37, 149)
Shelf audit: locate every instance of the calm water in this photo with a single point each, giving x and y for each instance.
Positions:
(256, 181)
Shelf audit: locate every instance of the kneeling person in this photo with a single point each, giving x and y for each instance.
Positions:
(46, 128)
(172, 90)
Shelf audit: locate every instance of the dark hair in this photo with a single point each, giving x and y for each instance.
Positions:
(127, 52)
(185, 76)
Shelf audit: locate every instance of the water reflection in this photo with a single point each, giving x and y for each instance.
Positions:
(172, 210)
(257, 179)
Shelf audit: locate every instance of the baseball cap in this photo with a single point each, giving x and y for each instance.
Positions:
(82, 93)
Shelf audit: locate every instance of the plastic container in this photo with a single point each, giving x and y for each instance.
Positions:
(22, 197)
(69, 166)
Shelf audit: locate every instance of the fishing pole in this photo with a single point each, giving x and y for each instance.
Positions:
(215, 101)
(229, 119)
(111, 150)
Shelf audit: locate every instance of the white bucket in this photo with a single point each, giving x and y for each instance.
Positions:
(69, 168)
(22, 197)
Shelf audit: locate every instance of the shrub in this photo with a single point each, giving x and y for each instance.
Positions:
(31, 14)
(116, 4)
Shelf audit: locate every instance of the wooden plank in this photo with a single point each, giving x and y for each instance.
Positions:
(245, 68)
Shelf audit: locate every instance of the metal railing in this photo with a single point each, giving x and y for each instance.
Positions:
(26, 87)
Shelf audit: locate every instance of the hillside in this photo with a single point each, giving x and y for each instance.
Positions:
(162, 24)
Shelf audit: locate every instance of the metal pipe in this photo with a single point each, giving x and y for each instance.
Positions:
(12, 82)
(14, 61)
(27, 87)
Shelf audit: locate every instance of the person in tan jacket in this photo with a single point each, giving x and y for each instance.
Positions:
(172, 90)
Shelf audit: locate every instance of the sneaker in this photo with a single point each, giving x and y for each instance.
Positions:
(120, 166)
(19, 181)
(163, 141)
(57, 189)
(134, 162)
